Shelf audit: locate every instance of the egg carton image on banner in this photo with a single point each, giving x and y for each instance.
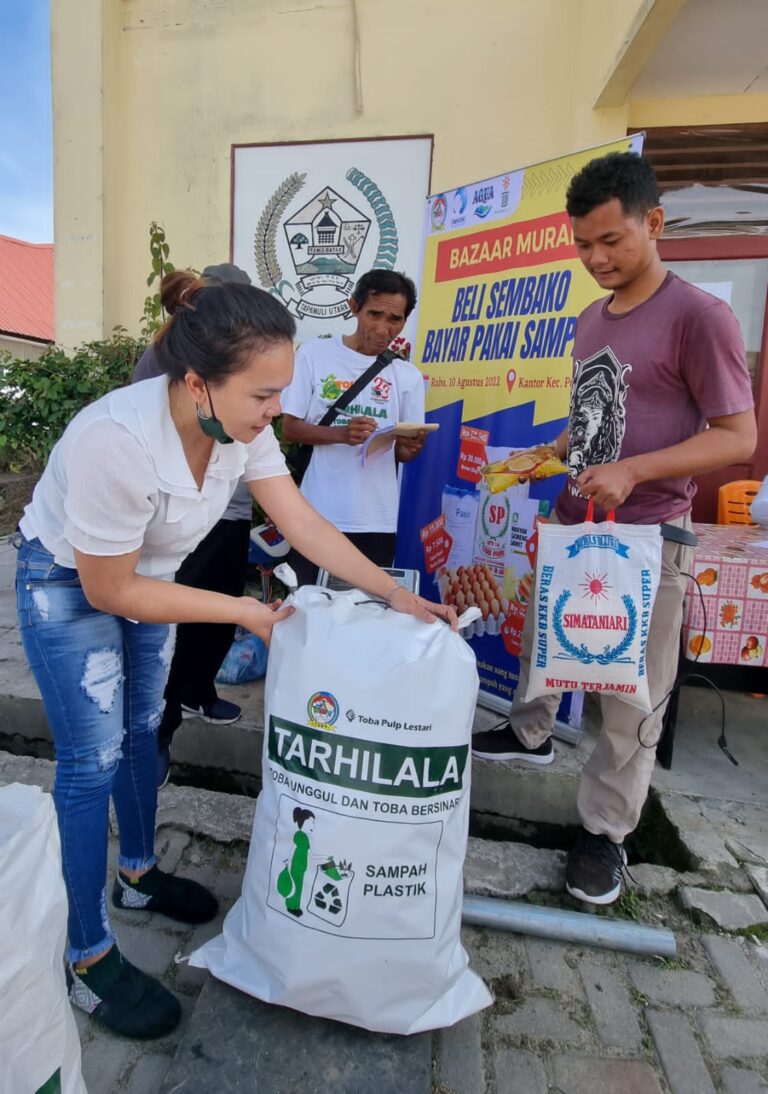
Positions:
(477, 587)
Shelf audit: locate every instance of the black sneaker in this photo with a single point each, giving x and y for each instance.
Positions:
(219, 713)
(177, 897)
(122, 998)
(504, 744)
(595, 867)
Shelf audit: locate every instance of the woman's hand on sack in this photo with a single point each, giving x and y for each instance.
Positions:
(358, 430)
(260, 618)
(403, 601)
(607, 484)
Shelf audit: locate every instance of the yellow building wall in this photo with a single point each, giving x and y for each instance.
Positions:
(703, 110)
(149, 96)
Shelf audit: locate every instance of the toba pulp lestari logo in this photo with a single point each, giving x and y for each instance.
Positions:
(322, 710)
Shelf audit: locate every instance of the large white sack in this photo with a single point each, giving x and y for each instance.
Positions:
(38, 1035)
(595, 589)
(368, 717)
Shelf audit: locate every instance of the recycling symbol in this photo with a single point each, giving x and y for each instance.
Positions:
(328, 899)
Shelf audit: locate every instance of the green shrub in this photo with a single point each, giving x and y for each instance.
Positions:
(39, 398)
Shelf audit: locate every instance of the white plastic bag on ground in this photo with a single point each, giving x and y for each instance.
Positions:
(595, 589)
(39, 1046)
(352, 896)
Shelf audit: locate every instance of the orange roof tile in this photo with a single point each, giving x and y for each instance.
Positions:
(26, 289)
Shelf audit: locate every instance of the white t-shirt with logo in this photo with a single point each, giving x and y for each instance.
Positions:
(353, 497)
(118, 481)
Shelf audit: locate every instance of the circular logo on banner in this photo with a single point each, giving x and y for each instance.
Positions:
(439, 211)
(323, 710)
(495, 516)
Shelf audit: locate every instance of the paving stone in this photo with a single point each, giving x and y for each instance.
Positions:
(518, 1073)
(673, 987)
(170, 845)
(699, 837)
(85, 1025)
(736, 1038)
(749, 850)
(731, 911)
(105, 1059)
(495, 953)
(588, 1075)
(29, 771)
(759, 878)
(221, 817)
(731, 961)
(758, 952)
(611, 1007)
(150, 950)
(738, 1081)
(679, 1053)
(652, 880)
(541, 1020)
(505, 869)
(459, 1057)
(550, 968)
(234, 1042)
(147, 1077)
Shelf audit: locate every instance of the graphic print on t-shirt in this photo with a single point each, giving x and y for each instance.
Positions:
(375, 398)
(597, 419)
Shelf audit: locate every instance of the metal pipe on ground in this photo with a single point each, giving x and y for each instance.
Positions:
(564, 926)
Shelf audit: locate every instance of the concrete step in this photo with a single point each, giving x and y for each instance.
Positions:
(228, 758)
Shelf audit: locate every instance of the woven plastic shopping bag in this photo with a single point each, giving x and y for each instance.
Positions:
(595, 589)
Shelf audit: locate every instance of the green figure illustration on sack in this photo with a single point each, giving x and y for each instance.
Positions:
(330, 888)
(290, 881)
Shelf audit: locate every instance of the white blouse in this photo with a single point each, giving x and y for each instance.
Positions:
(118, 480)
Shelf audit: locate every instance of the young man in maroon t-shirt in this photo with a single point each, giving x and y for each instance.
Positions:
(655, 363)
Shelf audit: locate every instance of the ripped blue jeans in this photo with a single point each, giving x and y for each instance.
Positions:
(102, 680)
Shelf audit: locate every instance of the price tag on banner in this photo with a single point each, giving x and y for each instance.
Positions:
(437, 543)
(512, 629)
(532, 543)
(472, 453)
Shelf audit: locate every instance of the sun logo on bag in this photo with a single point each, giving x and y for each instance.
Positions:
(322, 709)
(594, 586)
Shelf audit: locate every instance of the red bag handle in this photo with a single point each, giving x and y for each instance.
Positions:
(609, 516)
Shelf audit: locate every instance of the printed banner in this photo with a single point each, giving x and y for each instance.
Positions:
(501, 290)
(309, 219)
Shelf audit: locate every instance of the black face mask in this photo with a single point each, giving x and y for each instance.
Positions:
(211, 426)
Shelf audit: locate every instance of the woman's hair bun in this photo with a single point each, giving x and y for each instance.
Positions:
(179, 287)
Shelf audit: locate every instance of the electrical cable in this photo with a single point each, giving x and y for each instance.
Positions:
(684, 678)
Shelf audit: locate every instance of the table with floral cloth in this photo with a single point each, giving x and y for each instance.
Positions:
(728, 623)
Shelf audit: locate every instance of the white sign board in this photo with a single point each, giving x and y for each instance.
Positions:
(308, 220)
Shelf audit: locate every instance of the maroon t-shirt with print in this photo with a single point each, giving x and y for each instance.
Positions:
(648, 379)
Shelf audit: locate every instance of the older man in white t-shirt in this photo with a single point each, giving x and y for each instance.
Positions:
(359, 497)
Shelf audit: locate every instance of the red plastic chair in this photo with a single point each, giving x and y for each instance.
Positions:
(734, 500)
